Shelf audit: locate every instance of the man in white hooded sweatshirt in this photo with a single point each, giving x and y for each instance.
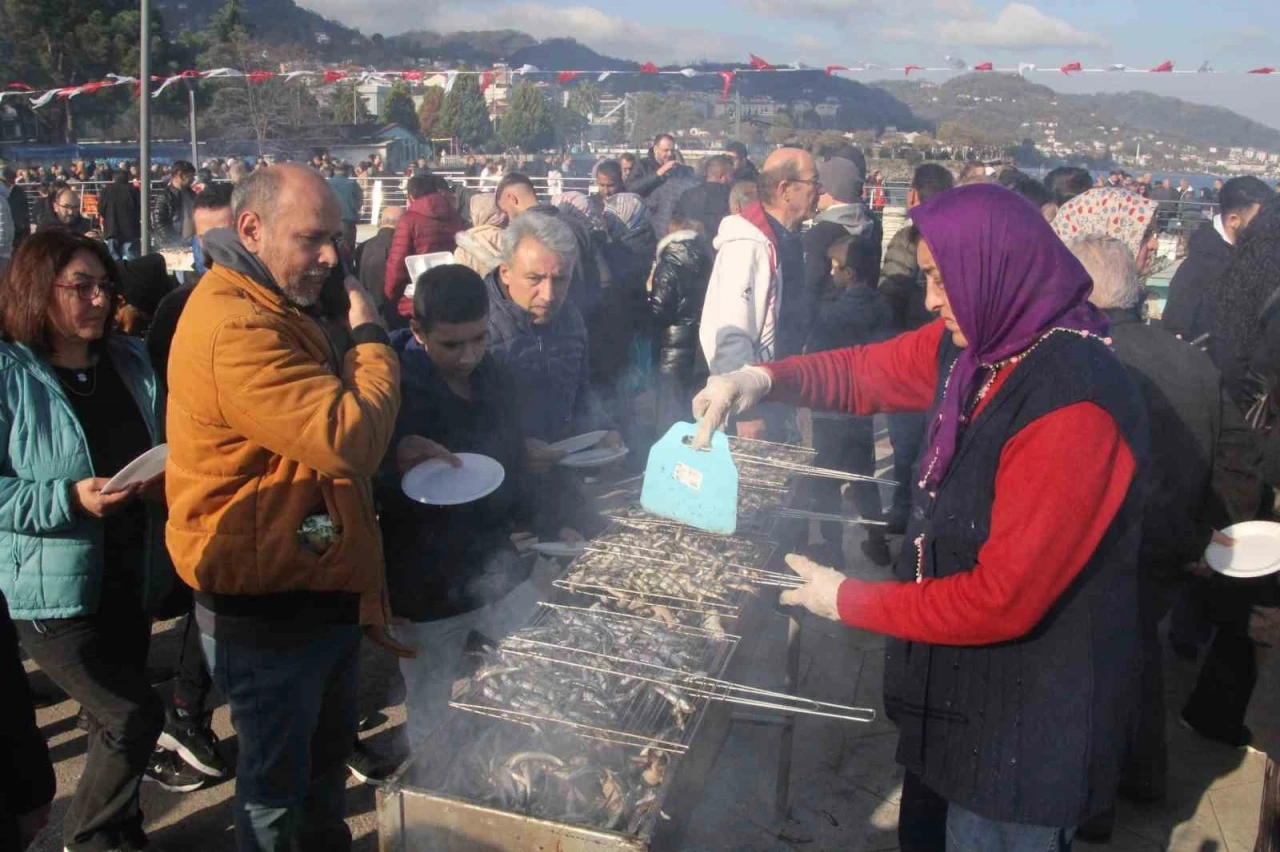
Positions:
(756, 308)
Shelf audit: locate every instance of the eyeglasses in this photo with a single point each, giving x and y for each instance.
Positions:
(70, 208)
(813, 180)
(88, 290)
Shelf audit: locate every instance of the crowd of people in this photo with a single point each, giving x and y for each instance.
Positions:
(1062, 463)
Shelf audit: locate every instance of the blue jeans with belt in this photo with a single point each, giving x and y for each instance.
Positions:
(294, 711)
(929, 823)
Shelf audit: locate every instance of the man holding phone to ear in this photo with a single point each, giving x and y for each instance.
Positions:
(274, 437)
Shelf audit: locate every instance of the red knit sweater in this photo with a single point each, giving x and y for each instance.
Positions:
(1060, 483)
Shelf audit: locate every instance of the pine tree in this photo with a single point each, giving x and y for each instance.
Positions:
(347, 107)
(429, 112)
(527, 124)
(465, 116)
(398, 107)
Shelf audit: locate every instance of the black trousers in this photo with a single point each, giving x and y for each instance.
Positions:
(100, 661)
(1246, 614)
(192, 681)
(922, 817)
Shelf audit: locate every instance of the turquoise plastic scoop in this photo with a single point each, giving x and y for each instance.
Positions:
(694, 487)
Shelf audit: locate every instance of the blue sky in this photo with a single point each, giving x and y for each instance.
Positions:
(1233, 36)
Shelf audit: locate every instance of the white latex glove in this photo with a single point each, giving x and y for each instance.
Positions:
(821, 590)
(731, 393)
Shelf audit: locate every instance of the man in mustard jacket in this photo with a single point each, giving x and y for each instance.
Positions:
(274, 436)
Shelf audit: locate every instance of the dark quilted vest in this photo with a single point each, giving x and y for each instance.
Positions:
(1033, 730)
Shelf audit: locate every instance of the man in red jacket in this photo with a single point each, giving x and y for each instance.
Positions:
(428, 225)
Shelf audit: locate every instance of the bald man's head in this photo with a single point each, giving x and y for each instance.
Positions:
(289, 218)
(788, 185)
(390, 217)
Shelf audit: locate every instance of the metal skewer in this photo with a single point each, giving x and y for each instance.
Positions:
(810, 470)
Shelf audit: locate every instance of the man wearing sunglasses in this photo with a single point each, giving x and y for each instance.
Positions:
(757, 308)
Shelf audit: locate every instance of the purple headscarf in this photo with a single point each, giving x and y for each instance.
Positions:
(1009, 280)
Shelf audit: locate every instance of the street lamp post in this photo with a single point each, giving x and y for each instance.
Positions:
(144, 125)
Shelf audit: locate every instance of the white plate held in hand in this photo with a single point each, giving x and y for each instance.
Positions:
(598, 457)
(145, 467)
(437, 483)
(1256, 552)
(578, 443)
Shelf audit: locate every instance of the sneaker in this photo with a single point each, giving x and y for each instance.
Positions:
(195, 743)
(366, 766)
(1241, 738)
(172, 773)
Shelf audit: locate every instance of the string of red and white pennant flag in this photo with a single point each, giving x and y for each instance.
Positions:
(39, 99)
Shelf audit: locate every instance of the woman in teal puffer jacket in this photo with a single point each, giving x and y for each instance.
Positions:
(80, 569)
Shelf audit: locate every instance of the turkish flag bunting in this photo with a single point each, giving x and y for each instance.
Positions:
(727, 77)
(1265, 69)
(259, 76)
(1069, 67)
(1163, 68)
(20, 86)
(334, 76)
(759, 64)
(911, 68)
(412, 75)
(834, 68)
(648, 68)
(986, 66)
(486, 80)
(566, 76)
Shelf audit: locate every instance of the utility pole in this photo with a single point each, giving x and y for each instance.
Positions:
(144, 125)
(737, 111)
(191, 121)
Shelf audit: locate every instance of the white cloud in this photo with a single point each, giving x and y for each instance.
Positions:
(1018, 26)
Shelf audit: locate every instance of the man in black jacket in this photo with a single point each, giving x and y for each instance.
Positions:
(662, 163)
(175, 206)
(1203, 475)
(1208, 254)
(121, 210)
(18, 209)
(708, 202)
(27, 784)
(371, 256)
(841, 213)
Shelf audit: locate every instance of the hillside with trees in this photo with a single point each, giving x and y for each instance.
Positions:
(991, 108)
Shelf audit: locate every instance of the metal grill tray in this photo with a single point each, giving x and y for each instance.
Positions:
(607, 676)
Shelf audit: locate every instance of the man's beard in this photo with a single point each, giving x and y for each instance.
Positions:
(305, 294)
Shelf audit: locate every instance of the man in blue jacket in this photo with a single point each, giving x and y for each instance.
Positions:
(542, 338)
(350, 199)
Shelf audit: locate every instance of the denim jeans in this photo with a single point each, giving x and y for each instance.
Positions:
(928, 823)
(429, 677)
(100, 661)
(968, 832)
(295, 714)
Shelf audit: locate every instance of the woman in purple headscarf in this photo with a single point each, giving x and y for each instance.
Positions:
(1013, 614)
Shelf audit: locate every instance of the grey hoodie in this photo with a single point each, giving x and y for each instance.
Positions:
(223, 247)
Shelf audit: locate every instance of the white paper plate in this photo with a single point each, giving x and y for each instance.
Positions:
(598, 457)
(560, 549)
(437, 483)
(149, 465)
(1256, 552)
(420, 263)
(578, 443)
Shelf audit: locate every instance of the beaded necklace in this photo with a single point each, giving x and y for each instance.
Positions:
(993, 371)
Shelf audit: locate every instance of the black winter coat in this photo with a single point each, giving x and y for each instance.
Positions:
(1264, 364)
(20, 212)
(854, 316)
(1204, 471)
(645, 179)
(707, 203)
(679, 286)
(371, 263)
(121, 208)
(620, 315)
(662, 202)
(173, 215)
(1208, 255)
